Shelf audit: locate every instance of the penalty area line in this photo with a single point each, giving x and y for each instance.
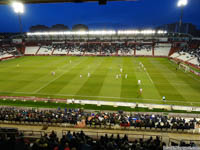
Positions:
(189, 75)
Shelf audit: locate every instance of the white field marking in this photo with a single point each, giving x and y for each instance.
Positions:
(174, 83)
(132, 98)
(146, 73)
(187, 73)
(149, 76)
(53, 79)
(193, 77)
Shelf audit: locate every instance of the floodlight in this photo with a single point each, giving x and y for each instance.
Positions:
(136, 32)
(161, 32)
(100, 32)
(182, 3)
(67, 33)
(18, 7)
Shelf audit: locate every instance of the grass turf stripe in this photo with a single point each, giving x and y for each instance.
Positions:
(94, 84)
(76, 83)
(169, 91)
(64, 78)
(112, 86)
(129, 86)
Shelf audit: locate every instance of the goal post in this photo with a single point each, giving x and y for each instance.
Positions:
(184, 67)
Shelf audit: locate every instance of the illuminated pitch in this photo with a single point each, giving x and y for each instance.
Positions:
(33, 77)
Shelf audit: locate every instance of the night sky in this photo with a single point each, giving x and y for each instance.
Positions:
(114, 15)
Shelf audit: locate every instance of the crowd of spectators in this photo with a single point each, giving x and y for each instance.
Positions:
(195, 53)
(76, 116)
(184, 144)
(146, 47)
(8, 51)
(193, 49)
(103, 48)
(77, 141)
(47, 47)
(81, 141)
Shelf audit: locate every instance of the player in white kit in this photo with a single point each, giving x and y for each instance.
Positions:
(140, 91)
(53, 73)
(88, 74)
(139, 82)
(126, 76)
(80, 76)
(117, 76)
(121, 70)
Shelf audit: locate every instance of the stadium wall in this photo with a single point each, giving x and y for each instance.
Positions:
(7, 58)
(105, 103)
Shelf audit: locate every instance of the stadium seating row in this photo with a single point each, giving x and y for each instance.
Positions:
(6, 52)
(99, 49)
(14, 139)
(188, 55)
(78, 118)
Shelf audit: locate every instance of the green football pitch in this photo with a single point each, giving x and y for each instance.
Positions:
(32, 76)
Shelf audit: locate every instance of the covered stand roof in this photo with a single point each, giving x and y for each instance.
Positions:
(57, 1)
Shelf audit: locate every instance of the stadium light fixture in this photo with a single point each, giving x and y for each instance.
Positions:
(18, 8)
(95, 32)
(182, 3)
(142, 32)
(100, 32)
(128, 32)
(161, 32)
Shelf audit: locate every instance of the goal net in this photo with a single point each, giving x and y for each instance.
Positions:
(184, 67)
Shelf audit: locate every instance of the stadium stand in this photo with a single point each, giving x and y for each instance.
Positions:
(75, 49)
(75, 141)
(31, 49)
(45, 50)
(195, 61)
(12, 138)
(184, 56)
(195, 54)
(175, 55)
(162, 49)
(182, 143)
(99, 48)
(7, 52)
(93, 49)
(60, 49)
(75, 117)
(188, 55)
(126, 49)
(144, 50)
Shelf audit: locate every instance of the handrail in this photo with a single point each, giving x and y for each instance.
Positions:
(64, 132)
(27, 132)
(185, 140)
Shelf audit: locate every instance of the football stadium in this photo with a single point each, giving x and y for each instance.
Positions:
(110, 88)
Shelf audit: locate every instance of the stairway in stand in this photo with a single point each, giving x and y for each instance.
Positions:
(38, 50)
